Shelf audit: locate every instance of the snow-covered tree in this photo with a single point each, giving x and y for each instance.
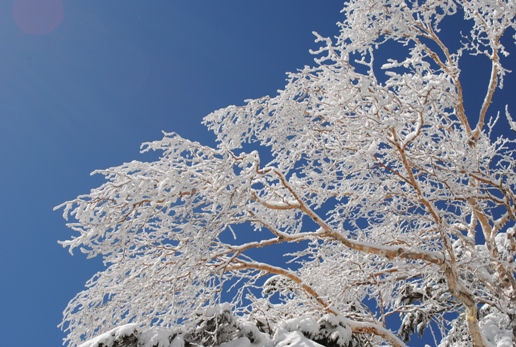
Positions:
(396, 202)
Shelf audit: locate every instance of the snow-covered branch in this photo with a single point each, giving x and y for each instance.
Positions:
(389, 204)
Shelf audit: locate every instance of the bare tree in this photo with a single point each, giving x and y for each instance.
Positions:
(400, 203)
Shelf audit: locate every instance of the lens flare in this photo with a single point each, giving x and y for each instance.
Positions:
(38, 17)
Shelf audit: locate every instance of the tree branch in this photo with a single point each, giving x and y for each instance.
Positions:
(388, 252)
(241, 265)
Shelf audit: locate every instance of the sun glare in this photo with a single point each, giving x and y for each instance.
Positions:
(38, 17)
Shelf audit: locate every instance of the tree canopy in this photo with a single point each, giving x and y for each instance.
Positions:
(396, 201)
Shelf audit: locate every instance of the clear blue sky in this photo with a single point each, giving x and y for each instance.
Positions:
(83, 86)
(84, 83)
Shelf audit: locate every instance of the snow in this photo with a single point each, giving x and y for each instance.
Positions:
(306, 325)
(162, 337)
(241, 342)
(111, 336)
(296, 339)
(493, 331)
(385, 168)
(159, 337)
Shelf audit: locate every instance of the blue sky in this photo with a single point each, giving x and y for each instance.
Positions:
(84, 83)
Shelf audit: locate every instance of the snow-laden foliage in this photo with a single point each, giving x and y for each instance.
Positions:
(395, 201)
(217, 326)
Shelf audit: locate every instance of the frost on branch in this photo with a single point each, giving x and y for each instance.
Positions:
(395, 201)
